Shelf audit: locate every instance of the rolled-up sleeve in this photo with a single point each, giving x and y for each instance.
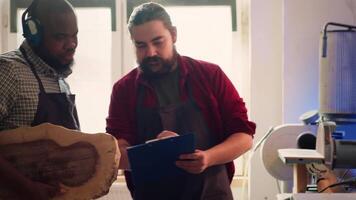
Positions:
(232, 107)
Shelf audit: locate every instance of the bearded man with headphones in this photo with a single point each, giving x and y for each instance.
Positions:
(32, 83)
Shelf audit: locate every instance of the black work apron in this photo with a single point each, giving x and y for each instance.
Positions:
(182, 118)
(55, 108)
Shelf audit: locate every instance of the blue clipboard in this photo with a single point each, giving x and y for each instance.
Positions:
(155, 161)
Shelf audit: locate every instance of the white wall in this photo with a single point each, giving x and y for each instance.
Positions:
(284, 57)
(266, 85)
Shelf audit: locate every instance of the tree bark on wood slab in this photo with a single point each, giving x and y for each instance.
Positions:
(85, 165)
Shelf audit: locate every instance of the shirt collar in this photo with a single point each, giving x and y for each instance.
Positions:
(41, 66)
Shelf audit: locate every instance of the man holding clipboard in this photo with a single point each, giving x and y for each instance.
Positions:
(169, 95)
(159, 156)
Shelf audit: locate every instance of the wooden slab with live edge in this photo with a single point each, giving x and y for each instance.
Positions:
(84, 165)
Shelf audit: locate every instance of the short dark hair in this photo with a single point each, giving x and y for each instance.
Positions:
(148, 12)
(44, 8)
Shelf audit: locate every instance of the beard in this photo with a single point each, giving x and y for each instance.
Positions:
(54, 62)
(165, 65)
(59, 67)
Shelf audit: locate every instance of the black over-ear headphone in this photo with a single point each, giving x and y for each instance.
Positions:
(32, 29)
